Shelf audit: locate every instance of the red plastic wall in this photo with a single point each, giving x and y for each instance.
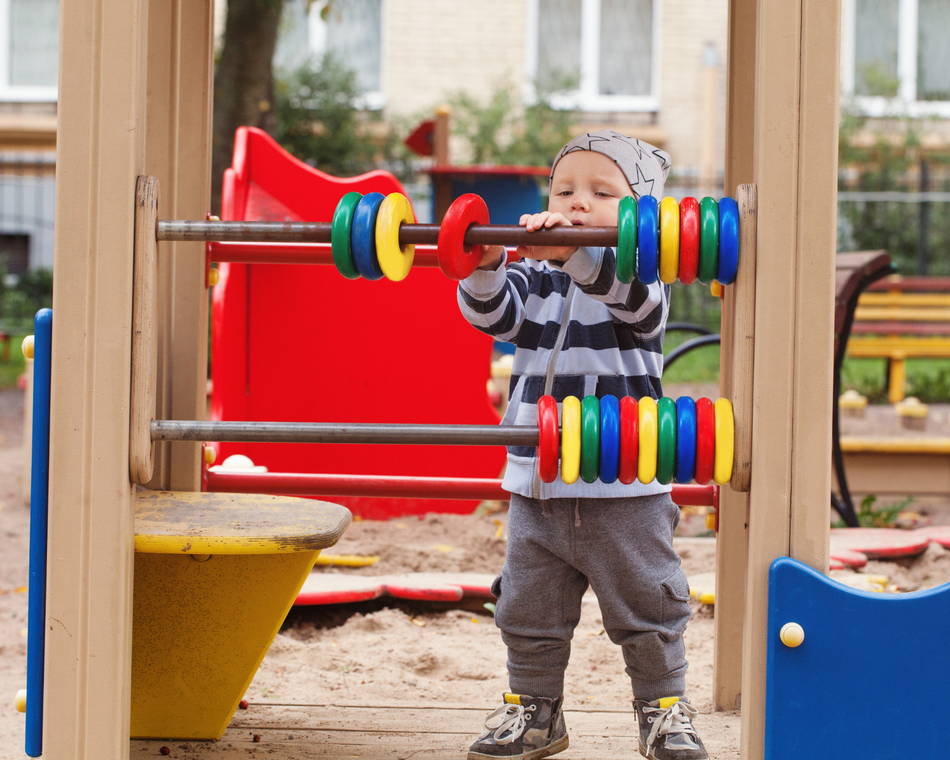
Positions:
(301, 343)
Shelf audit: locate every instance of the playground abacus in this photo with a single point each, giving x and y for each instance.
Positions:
(374, 236)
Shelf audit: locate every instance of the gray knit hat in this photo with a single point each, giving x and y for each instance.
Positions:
(644, 165)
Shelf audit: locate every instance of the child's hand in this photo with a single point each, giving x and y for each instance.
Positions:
(546, 219)
(491, 255)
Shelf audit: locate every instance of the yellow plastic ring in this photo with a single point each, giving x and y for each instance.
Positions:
(395, 262)
(725, 441)
(649, 427)
(669, 240)
(570, 439)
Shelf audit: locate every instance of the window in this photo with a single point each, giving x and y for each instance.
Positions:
(609, 48)
(894, 56)
(29, 50)
(353, 30)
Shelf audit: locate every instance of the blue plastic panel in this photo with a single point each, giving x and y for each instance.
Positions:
(871, 681)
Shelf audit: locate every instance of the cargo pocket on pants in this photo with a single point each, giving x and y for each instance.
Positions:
(496, 587)
(676, 609)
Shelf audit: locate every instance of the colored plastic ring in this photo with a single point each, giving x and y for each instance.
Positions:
(590, 439)
(689, 240)
(708, 240)
(629, 440)
(669, 240)
(627, 239)
(725, 441)
(705, 441)
(570, 439)
(547, 438)
(457, 261)
(646, 470)
(340, 235)
(666, 440)
(728, 241)
(648, 232)
(395, 261)
(609, 439)
(685, 439)
(363, 236)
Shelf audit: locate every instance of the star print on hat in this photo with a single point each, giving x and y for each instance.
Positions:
(645, 166)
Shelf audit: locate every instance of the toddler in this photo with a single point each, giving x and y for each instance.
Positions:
(581, 331)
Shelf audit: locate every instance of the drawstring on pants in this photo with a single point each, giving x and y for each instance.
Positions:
(577, 513)
(545, 508)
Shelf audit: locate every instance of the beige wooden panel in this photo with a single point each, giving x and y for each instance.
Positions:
(100, 151)
(898, 474)
(177, 152)
(795, 171)
(732, 543)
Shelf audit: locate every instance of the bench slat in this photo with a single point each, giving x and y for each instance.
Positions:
(909, 314)
(899, 347)
(900, 328)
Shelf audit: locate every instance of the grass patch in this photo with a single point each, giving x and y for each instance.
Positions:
(698, 366)
(927, 379)
(13, 366)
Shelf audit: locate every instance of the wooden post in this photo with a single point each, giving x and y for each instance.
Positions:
(795, 170)
(111, 93)
(442, 183)
(733, 539)
(180, 61)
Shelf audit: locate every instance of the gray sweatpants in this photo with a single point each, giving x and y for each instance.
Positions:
(622, 548)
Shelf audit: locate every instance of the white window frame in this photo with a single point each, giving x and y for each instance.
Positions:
(9, 93)
(588, 97)
(317, 35)
(906, 102)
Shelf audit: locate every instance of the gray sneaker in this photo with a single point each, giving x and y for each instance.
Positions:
(524, 728)
(666, 730)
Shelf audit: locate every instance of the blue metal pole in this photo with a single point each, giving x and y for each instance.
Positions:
(39, 504)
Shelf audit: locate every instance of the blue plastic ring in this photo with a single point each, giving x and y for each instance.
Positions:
(363, 236)
(609, 439)
(728, 241)
(648, 239)
(685, 439)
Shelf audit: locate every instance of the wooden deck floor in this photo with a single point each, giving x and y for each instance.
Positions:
(399, 731)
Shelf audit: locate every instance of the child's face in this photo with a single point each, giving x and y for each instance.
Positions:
(587, 188)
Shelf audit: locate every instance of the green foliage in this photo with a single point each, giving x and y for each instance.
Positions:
(501, 131)
(698, 366)
(320, 121)
(870, 516)
(876, 79)
(19, 304)
(927, 379)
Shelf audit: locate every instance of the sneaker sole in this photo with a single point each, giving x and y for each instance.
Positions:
(536, 754)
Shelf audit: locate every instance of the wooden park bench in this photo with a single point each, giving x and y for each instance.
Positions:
(901, 318)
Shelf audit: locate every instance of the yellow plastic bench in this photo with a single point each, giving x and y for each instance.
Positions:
(899, 319)
(215, 576)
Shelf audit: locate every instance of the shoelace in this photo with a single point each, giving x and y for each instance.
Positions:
(507, 719)
(675, 719)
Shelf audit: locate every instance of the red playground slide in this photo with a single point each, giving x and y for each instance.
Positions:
(302, 343)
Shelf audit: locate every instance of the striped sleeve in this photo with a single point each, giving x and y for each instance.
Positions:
(643, 307)
(493, 301)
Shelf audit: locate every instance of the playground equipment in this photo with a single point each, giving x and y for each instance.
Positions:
(776, 346)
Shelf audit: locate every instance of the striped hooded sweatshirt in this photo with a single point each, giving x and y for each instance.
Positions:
(579, 331)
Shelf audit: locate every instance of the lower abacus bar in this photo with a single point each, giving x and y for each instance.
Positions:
(400, 487)
(321, 432)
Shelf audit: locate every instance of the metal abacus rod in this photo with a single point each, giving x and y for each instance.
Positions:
(409, 234)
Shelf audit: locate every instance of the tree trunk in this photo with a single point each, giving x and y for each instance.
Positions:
(243, 83)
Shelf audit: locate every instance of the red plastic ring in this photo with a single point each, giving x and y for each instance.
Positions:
(548, 439)
(629, 440)
(689, 240)
(705, 440)
(458, 263)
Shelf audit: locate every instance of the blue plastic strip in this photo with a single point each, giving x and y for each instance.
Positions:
(685, 439)
(363, 236)
(609, 439)
(39, 504)
(728, 241)
(648, 239)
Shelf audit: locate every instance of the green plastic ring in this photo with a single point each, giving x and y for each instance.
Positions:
(340, 235)
(590, 438)
(627, 239)
(708, 240)
(666, 440)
